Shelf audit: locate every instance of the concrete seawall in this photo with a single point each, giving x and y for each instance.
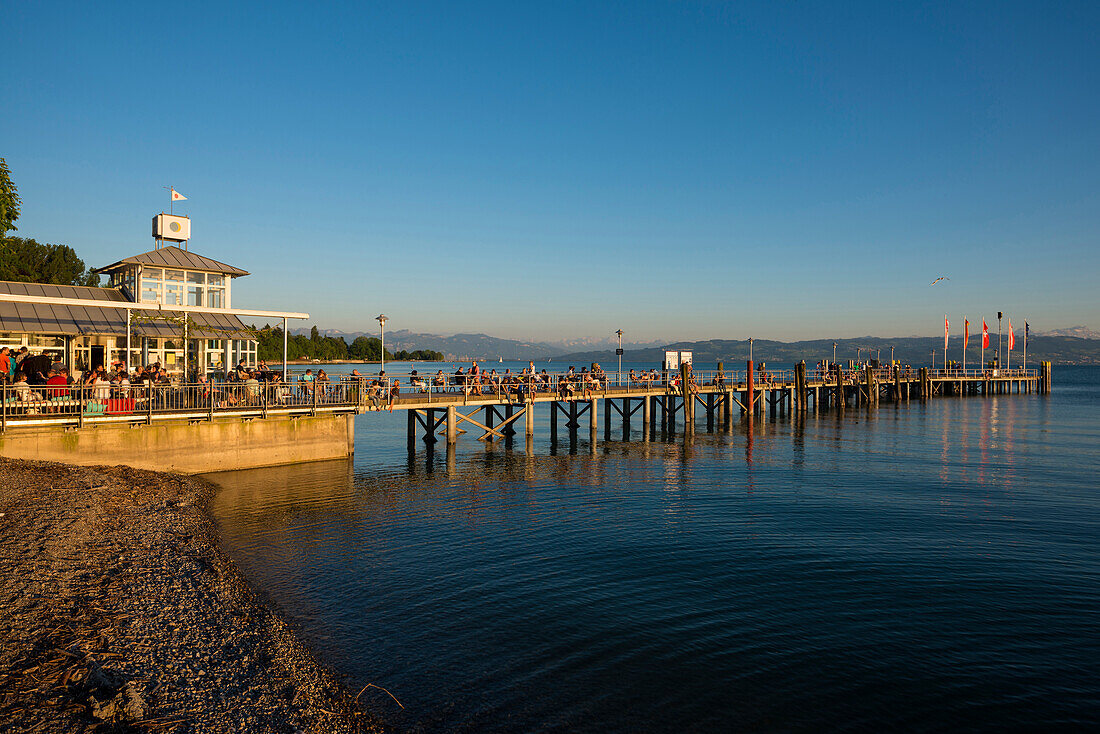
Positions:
(189, 447)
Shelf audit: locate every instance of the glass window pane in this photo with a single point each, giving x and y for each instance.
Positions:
(193, 277)
(215, 279)
(173, 294)
(216, 298)
(150, 290)
(148, 272)
(173, 275)
(195, 295)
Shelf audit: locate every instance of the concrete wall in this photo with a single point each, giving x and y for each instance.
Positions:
(225, 444)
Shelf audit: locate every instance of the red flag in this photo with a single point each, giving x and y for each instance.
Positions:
(966, 333)
(946, 326)
(1011, 336)
(985, 335)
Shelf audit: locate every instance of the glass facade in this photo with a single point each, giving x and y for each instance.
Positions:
(154, 285)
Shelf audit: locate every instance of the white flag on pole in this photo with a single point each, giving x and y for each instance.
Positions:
(177, 196)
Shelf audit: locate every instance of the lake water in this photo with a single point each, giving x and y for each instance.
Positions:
(922, 567)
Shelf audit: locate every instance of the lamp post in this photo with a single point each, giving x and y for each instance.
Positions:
(750, 348)
(834, 352)
(381, 319)
(619, 354)
(891, 355)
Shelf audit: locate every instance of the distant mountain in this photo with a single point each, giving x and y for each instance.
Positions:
(910, 350)
(1057, 347)
(456, 346)
(1081, 332)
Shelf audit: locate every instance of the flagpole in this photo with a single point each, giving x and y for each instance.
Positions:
(1025, 347)
(945, 332)
(966, 337)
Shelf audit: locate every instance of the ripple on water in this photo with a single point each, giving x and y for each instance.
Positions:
(928, 567)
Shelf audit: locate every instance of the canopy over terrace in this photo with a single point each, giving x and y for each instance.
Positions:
(78, 311)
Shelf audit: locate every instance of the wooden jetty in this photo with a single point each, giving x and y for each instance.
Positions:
(494, 411)
(204, 426)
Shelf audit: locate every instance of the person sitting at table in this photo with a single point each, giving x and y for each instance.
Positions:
(252, 388)
(21, 387)
(58, 383)
(439, 380)
(417, 382)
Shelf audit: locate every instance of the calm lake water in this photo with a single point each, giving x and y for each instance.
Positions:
(922, 567)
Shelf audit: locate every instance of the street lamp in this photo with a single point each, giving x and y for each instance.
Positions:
(381, 319)
(834, 352)
(619, 354)
(891, 355)
(750, 348)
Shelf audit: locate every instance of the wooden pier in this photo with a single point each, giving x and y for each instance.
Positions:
(661, 405)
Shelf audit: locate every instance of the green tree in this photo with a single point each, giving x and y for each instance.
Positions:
(29, 261)
(9, 200)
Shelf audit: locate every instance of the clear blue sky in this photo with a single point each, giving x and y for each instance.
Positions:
(677, 170)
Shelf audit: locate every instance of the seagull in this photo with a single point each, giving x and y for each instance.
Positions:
(937, 280)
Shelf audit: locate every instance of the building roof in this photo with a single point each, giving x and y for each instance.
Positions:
(44, 318)
(174, 257)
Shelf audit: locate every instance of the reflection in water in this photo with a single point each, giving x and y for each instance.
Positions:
(918, 555)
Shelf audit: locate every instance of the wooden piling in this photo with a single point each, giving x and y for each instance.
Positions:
(838, 373)
(750, 388)
(452, 426)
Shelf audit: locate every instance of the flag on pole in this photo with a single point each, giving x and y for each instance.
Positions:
(985, 335)
(177, 196)
(966, 334)
(946, 326)
(1011, 336)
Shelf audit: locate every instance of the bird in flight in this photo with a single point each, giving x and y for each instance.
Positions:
(937, 280)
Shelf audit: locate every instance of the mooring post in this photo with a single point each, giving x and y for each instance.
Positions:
(607, 419)
(710, 412)
(869, 384)
(800, 385)
(411, 426)
(573, 423)
(750, 388)
(452, 427)
(529, 417)
(554, 421)
(839, 388)
(593, 417)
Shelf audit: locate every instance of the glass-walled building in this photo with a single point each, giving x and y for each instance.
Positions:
(86, 337)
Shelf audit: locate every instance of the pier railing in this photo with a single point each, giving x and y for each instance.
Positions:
(79, 404)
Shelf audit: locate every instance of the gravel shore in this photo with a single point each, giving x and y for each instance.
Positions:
(121, 614)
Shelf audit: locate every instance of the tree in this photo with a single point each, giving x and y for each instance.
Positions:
(29, 261)
(9, 200)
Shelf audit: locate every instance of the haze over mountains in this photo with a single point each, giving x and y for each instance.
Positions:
(1073, 345)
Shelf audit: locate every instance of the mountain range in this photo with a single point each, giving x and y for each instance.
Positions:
(1074, 345)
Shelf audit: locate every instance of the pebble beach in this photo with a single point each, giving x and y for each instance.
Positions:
(121, 613)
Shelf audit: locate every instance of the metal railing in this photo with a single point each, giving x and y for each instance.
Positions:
(78, 404)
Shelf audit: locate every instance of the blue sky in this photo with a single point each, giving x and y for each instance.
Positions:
(677, 170)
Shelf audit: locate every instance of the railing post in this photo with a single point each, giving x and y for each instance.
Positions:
(4, 409)
(210, 403)
(313, 386)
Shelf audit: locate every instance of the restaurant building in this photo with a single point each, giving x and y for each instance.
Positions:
(190, 323)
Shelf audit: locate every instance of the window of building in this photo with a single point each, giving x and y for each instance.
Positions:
(196, 283)
(173, 288)
(151, 284)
